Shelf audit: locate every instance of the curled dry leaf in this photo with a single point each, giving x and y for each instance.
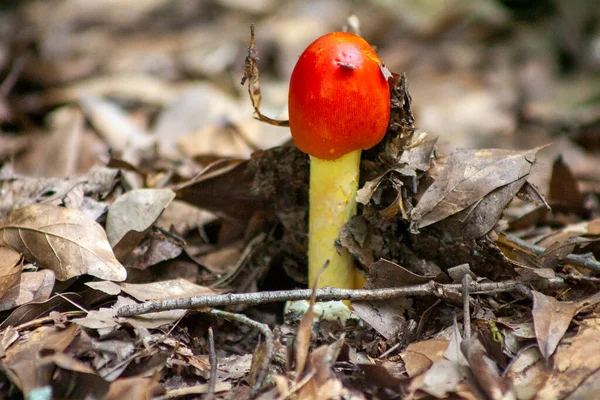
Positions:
(64, 240)
(132, 214)
(468, 177)
(251, 75)
(11, 265)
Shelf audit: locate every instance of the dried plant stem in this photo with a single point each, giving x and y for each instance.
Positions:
(434, 289)
(466, 307)
(269, 347)
(212, 360)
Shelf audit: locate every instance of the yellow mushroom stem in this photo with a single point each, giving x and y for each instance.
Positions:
(332, 202)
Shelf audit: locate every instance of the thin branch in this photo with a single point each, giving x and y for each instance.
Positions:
(36, 323)
(212, 360)
(269, 347)
(434, 289)
(466, 280)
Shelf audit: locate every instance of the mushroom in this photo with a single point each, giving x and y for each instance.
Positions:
(339, 104)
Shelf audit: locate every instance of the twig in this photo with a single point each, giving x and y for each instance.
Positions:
(431, 288)
(269, 347)
(579, 260)
(212, 360)
(466, 280)
(36, 323)
(390, 351)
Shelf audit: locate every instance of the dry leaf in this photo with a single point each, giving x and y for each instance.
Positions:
(224, 187)
(165, 290)
(387, 317)
(58, 153)
(469, 176)
(486, 372)
(11, 265)
(62, 239)
(551, 319)
(132, 214)
(573, 364)
(116, 127)
(21, 361)
(135, 388)
(21, 191)
(527, 373)
(33, 287)
(418, 357)
(564, 194)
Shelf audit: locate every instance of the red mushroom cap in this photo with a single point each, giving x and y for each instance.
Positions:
(339, 100)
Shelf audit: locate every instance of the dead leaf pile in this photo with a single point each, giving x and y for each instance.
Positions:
(135, 168)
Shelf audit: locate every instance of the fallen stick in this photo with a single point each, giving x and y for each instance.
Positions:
(434, 289)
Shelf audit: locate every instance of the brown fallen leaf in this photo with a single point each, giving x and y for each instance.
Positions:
(155, 290)
(32, 287)
(202, 388)
(564, 194)
(468, 176)
(132, 214)
(560, 246)
(233, 368)
(486, 372)
(527, 373)
(21, 191)
(105, 321)
(224, 187)
(387, 317)
(116, 127)
(21, 361)
(64, 240)
(418, 357)
(58, 153)
(11, 265)
(135, 388)
(551, 319)
(573, 364)
(322, 383)
(154, 249)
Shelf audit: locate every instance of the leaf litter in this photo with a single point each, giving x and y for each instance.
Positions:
(132, 171)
